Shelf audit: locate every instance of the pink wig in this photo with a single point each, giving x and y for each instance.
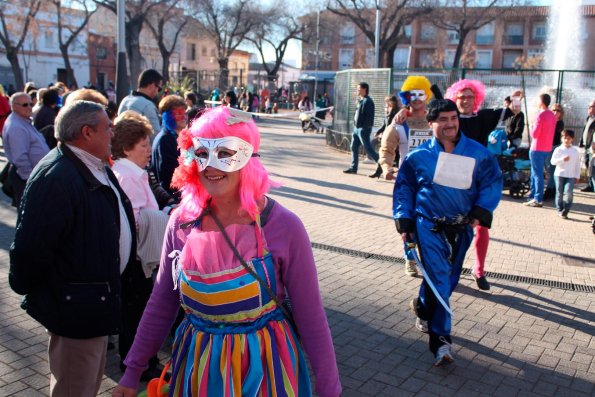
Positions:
(476, 86)
(254, 178)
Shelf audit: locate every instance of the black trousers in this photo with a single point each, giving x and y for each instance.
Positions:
(136, 290)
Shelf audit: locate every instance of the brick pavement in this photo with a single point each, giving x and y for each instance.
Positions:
(519, 339)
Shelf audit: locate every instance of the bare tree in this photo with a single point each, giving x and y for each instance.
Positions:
(15, 24)
(137, 12)
(169, 17)
(395, 15)
(276, 35)
(227, 23)
(73, 29)
(466, 16)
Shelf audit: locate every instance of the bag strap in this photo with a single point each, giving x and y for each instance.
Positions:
(249, 269)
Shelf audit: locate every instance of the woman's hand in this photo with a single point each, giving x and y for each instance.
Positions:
(121, 391)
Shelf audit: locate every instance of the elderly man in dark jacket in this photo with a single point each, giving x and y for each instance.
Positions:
(75, 235)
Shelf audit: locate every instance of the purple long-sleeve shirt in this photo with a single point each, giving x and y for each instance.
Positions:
(23, 144)
(288, 242)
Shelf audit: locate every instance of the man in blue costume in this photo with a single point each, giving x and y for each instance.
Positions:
(444, 188)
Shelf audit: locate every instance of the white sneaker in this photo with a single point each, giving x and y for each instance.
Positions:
(421, 325)
(444, 354)
(410, 268)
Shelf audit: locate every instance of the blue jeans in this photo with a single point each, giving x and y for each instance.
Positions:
(537, 162)
(361, 136)
(550, 168)
(564, 188)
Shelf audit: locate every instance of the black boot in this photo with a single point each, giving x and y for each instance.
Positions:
(376, 173)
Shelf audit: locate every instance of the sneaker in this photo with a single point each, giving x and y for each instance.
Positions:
(482, 283)
(421, 325)
(529, 202)
(535, 204)
(444, 354)
(410, 268)
(564, 215)
(349, 171)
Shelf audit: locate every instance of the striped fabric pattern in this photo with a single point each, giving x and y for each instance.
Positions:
(234, 340)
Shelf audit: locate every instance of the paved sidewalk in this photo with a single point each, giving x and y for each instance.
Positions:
(531, 338)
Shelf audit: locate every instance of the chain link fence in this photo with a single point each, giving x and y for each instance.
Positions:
(574, 90)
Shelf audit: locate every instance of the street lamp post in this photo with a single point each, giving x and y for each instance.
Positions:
(121, 70)
(377, 37)
(317, 54)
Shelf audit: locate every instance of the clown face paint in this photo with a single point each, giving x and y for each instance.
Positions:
(417, 95)
(225, 154)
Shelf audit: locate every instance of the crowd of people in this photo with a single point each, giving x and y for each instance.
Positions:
(154, 215)
(442, 154)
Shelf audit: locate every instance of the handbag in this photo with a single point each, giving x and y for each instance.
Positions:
(157, 387)
(5, 180)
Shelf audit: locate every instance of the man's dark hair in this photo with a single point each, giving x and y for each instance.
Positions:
(148, 77)
(50, 97)
(507, 99)
(568, 133)
(365, 86)
(545, 99)
(437, 106)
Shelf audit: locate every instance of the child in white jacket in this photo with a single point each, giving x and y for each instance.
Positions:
(566, 158)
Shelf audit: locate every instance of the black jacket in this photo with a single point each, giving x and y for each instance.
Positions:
(65, 256)
(364, 113)
(591, 131)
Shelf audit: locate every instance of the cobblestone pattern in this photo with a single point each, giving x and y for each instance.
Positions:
(517, 340)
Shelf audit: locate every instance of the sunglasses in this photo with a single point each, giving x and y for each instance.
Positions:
(25, 105)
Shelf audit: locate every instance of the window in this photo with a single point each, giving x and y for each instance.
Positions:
(485, 34)
(345, 58)
(509, 58)
(483, 59)
(539, 31)
(453, 37)
(449, 57)
(203, 51)
(401, 58)
(370, 57)
(48, 39)
(348, 34)
(191, 52)
(514, 34)
(428, 32)
(213, 52)
(101, 52)
(407, 31)
(426, 58)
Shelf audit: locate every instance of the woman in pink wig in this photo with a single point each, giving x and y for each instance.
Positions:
(231, 256)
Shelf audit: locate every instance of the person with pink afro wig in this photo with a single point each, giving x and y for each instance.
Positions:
(475, 98)
(477, 124)
(231, 255)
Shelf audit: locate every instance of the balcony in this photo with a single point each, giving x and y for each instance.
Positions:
(484, 39)
(513, 40)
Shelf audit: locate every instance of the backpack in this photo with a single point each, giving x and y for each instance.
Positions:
(497, 140)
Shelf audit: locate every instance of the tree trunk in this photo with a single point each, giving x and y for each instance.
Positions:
(70, 79)
(165, 68)
(459, 51)
(133, 29)
(272, 86)
(13, 58)
(223, 74)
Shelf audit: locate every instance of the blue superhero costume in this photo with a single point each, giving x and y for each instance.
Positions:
(437, 195)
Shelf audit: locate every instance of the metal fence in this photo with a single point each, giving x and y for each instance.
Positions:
(573, 89)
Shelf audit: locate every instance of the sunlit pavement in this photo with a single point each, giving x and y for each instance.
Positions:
(531, 335)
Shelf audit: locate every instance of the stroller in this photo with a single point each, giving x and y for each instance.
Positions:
(515, 167)
(310, 122)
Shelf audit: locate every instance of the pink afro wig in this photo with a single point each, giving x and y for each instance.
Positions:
(476, 86)
(254, 178)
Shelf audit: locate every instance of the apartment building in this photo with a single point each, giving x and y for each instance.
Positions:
(501, 44)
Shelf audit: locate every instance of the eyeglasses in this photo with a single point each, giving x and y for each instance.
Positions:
(25, 105)
(466, 97)
(556, 110)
